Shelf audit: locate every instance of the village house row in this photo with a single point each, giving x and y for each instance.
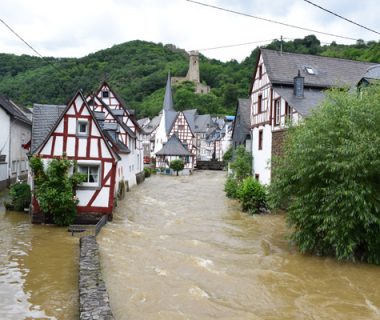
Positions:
(110, 145)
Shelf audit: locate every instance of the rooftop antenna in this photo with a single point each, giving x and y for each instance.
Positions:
(281, 39)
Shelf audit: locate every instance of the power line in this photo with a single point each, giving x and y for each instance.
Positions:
(31, 47)
(339, 16)
(269, 20)
(235, 45)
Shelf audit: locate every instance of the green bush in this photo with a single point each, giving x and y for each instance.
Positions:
(228, 155)
(241, 164)
(20, 196)
(147, 172)
(252, 195)
(177, 165)
(329, 175)
(231, 187)
(55, 189)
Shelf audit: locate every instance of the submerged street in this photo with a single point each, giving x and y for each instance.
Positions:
(179, 249)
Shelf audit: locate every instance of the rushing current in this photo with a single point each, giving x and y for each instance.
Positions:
(38, 270)
(179, 249)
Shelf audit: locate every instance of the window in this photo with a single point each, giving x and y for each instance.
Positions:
(14, 166)
(3, 157)
(23, 165)
(91, 173)
(105, 94)
(257, 176)
(288, 112)
(82, 128)
(181, 127)
(260, 71)
(277, 112)
(261, 140)
(309, 70)
(260, 104)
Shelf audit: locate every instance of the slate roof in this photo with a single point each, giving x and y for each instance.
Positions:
(117, 144)
(173, 147)
(170, 117)
(168, 99)
(44, 118)
(190, 118)
(312, 98)
(242, 125)
(15, 111)
(153, 124)
(329, 72)
(201, 122)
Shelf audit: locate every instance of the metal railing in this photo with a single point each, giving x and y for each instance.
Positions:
(88, 230)
(101, 223)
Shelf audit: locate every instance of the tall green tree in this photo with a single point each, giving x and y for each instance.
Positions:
(328, 178)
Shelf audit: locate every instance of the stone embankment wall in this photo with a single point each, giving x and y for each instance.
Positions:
(93, 296)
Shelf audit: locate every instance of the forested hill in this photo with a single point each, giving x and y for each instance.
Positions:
(137, 70)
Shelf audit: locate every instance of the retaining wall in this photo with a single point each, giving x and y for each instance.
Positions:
(93, 296)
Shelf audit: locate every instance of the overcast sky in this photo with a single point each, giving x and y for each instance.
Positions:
(75, 28)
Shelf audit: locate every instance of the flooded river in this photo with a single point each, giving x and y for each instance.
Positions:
(38, 270)
(178, 249)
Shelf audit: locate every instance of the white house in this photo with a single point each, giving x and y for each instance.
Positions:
(16, 126)
(286, 87)
(131, 134)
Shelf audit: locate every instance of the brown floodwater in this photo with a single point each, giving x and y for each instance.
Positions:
(179, 249)
(38, 270)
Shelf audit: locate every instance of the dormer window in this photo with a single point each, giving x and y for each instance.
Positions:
(105, 94)
(310, 70)
(82, 128)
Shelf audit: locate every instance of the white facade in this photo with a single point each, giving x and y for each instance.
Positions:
(272, 114)
(14, 160)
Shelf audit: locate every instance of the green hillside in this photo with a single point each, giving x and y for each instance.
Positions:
(137, 70)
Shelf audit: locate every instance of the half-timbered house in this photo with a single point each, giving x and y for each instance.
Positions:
(75, 132)
(285, 88)
(131, 133)
(179, 123)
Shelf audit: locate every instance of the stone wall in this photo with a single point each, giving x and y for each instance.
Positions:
(277, 142)
(278, 138)
(93, 296)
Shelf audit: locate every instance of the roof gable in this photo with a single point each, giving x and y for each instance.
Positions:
(173, 147)
(15, 111)
(325, 72)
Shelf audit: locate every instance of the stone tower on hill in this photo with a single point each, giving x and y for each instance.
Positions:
(193, 75)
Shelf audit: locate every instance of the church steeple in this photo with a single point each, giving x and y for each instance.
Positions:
(168, 99)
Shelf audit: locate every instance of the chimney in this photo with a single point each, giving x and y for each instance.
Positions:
(299, 85)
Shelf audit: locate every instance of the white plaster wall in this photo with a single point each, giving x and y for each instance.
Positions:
(4, 143)
(102, 198)
(58, 147)
(161, 137)
(261, 158)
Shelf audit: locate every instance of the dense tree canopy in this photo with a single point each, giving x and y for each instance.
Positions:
(328, 178)
(138, 70)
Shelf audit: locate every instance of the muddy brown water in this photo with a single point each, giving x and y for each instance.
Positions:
(178, 249)
(38, 270)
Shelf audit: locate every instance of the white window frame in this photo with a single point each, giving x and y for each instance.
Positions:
(89, 164)
(80, 133)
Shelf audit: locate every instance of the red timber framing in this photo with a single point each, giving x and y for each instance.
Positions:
(115, 102)
(126, 135)
(183, 131)
(88, 148)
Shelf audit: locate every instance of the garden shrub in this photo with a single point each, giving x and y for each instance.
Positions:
(231, 187)
(20, 196)
(328, 177)
(55, 188)
(252, 195)
(241, 164)
(177, 165)
(147, 172)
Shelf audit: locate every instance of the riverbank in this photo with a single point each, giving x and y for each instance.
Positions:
(93, 296)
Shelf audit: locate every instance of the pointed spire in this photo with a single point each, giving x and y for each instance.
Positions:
(168, 99)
